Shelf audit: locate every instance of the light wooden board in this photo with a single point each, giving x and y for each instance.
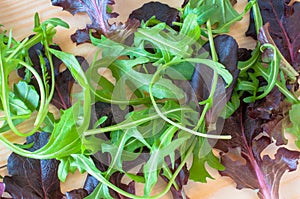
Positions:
(18, 15)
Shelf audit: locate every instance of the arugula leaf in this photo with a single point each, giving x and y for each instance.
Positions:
(198, 171)
(65, 138)
(219, 12)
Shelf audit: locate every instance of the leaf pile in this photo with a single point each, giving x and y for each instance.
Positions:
(180, 89)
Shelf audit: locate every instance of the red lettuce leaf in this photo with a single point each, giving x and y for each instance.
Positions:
(201, 82)
(161, 11)
(31, 178)
(116, 179)
(241, 155)
(284, 29)
(2, 188)
(77, 194)
(97, 11)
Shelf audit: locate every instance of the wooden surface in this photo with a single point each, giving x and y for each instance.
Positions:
(18, 15)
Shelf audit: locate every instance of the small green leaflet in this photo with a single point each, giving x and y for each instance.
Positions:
(294, 114)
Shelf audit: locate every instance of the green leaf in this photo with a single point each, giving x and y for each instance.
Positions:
(64, 168)
(203, 13)
(56, 22)
(181, 71)
(223, 10)
(198, 172)
(17, 106)
(168, 44)
(294, 114)
(65, 138)
(78, 74)
(154, 164)
(100, 121)
(136, 178)
(49, 122)
(190, 28)
(123, 71)
(101, 191)
(27, 94)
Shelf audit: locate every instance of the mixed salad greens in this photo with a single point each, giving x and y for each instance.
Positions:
(181, 96)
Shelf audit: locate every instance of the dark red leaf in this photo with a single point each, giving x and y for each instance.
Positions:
(242, 159)
(161, 11)
(63, 87)
(284, 29)
(116, 179)
(202, 79)
(97, 11)
(272, 110)
(31, 178)
(77, 194)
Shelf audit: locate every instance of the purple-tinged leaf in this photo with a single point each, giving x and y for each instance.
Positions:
(162, 12)
(97, 11)
(116, 179)
(31, 178)
(242, 159)
(63, 87)
(284, 29)
(272, 110)
(2, 188)
(77, 194)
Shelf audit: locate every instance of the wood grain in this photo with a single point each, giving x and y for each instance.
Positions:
(18, 15)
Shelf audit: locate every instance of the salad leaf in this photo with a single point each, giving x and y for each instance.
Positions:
(63, 87)
(219, 12)
(27, 94)
(99, 15)
(77, 194)
(2, 188)
(242, 159)
(31, 178)
(295, 129)
(162, 12)
(283, 27)
(63, 80)
(116, 179)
